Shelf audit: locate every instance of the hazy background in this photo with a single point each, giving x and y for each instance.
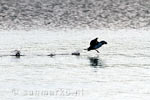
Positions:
(33, 14)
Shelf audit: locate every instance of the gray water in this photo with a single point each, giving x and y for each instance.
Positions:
(121, 70)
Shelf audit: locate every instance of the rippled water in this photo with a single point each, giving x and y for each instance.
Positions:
(120, 71)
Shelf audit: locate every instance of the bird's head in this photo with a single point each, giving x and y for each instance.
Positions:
(96, 38)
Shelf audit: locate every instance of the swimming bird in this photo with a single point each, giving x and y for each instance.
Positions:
(94, 44)
(17, 53)
(76, 53)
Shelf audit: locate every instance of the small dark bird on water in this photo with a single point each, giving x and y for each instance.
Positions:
(76, 53)
(94, 44)
(17, 53)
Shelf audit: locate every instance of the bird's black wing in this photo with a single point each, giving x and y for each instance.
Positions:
(93, 42)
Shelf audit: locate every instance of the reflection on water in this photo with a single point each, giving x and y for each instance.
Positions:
(18, 57)
(96, 62)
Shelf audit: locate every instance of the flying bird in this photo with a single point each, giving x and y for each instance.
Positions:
(94, 44)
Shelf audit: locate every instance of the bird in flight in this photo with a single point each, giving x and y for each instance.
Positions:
(94, 44)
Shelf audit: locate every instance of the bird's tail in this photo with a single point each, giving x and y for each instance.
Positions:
(88, 49)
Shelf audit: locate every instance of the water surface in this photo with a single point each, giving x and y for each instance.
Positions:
(120, 71)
